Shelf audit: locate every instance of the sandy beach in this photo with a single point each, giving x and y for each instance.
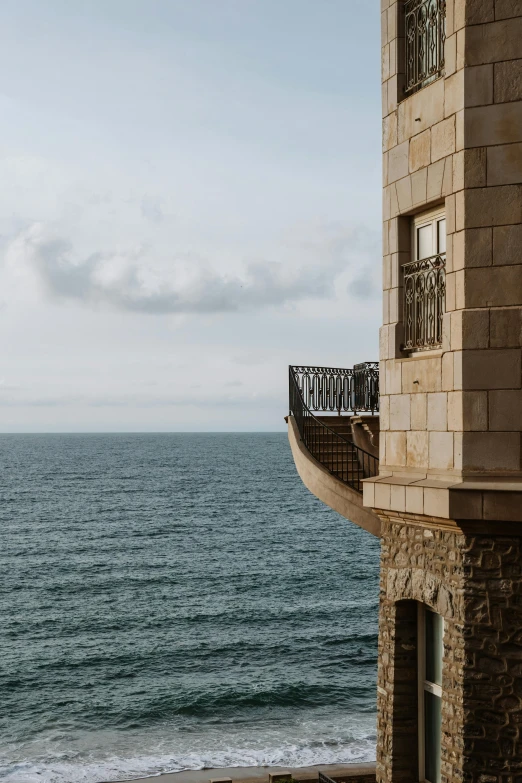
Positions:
(257, 774)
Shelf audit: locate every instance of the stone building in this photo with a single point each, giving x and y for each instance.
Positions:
(438, 474)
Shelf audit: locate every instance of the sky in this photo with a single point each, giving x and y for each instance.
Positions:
(190, 202)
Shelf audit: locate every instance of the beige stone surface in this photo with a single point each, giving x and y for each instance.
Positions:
(479, 11)
(419, 181)
(441, 450)
(491, 451)
(508, 81)
(436, 502)
(417, 443)
(415, 500)
(493, 286)
(400, 412)
(420, 151)
(491, 369)
(398, 497)
(393, 377)
(421, 111)
(468, 411)
(384, 412)
(421, 375)
(505, 164)
(494, 42)
(419, 412)
(404, 194)
(438, 412)
(396, 448)
(505, 328)
(472, 247)
(443, 139)
(505, 410)
(507, 245)
(382, 496)
(398, 162)
(504, 9)
(469, 329)
(435, 180)
(499, 123)
(478, 85)
(389, 133)
(492, 206)
(454, 93)
(448, 372)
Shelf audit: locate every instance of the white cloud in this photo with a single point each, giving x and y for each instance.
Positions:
(134, 280)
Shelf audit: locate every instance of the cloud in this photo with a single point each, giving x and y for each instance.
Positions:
(151, 209)
(365, 285)
(133, 280)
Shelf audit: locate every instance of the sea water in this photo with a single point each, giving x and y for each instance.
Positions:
(177, 601)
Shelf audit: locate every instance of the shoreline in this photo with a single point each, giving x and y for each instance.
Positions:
(256, 774)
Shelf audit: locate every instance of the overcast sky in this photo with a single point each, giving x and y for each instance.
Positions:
(190, 201)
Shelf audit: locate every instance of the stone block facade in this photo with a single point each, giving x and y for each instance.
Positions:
(449, 491)
(475, 583)
(454, 412)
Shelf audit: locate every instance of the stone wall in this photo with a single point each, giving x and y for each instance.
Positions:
(457, 142)
(475, 583)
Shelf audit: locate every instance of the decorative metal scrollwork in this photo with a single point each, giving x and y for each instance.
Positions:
(316, 387)
(424, 302)
(425, 42)
(341, 390)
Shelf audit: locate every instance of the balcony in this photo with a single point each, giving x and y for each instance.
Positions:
(425, 31)
(334, 442)
(424, 303)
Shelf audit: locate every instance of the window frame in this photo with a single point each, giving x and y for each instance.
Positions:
(422, 219)
(424, 685)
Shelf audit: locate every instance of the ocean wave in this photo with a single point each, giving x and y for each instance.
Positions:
(115, 767)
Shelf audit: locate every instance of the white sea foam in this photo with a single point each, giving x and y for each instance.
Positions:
(355, 745)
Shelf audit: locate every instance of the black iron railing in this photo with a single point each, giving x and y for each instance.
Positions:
(425, 42)
(424, 302)
(336, 453)
(331, 389)
(366, 387)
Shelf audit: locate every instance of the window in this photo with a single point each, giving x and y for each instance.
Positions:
(425, 38)
(425, 283)
(430, 629)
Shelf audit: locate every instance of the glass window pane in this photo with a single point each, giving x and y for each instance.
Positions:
(432, 736)
(425, 242)
(433, 647)
(441, 236)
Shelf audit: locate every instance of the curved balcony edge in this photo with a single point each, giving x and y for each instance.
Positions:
(329, 489)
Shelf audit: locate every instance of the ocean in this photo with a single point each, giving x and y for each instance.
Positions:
(177, 601)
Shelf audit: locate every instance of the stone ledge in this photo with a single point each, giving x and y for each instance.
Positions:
(477, 500)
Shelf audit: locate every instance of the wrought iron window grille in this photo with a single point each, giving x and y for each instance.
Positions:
(425, 31)
(424, 302)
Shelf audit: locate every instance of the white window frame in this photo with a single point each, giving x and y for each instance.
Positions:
(433, 216)
(423, 686)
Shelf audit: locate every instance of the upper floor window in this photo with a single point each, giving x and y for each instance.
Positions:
(425, 37)
(424, 279)
(430, 635)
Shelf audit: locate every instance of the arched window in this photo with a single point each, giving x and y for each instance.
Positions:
(430, 631)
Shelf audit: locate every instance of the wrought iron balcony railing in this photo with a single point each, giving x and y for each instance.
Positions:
(425, 42)
(424, 302)
(327, 390)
